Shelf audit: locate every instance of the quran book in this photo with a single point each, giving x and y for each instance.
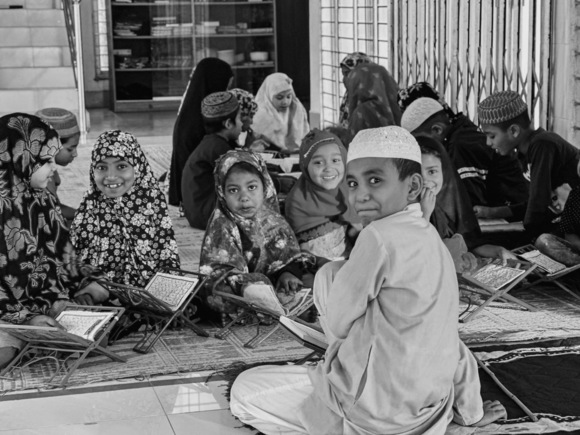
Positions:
(543, 261)
(495, 276)
(263, 296)
(305, 334)
(499, 225)
(172, 290)
(85, 324)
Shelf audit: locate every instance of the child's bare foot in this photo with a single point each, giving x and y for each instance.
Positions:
(492, 411)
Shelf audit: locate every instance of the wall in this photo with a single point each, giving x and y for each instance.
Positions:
(96, 91)
(315, 62)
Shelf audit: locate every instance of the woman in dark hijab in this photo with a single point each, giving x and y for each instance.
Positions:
(209, 76)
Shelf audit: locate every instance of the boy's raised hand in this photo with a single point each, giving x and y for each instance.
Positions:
(428, 199)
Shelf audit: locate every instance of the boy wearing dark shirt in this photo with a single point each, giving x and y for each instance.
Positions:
(495, 184)
(223, 125)
(551, 160)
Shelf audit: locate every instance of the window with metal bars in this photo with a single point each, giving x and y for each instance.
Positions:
(101, 43)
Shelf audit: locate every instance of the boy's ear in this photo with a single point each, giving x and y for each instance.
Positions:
(514, 130)
(415, 187)
(227, 123)
(438, 130)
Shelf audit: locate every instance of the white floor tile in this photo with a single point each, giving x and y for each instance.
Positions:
(79, 409)
(211, 422)
(192, 397)
(139, 426)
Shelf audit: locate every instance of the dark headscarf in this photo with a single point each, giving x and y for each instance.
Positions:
(131, 237)
(349, 62)
(372, 98)
(421, 90)
(37, 261)
(209, 76)
(307, 204)
(453, 212)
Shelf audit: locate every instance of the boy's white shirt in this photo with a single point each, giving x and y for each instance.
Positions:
(392, 312)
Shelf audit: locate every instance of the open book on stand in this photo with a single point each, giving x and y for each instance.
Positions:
(494, 276)
(165, 292)
(547, 264)
(264, 297)
(81, 323)
(305, 333)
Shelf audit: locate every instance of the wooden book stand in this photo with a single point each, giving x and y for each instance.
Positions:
(499, 291)
(54, 339)
(546, 276)
(158, 312)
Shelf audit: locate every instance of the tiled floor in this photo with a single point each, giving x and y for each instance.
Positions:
(180, 404)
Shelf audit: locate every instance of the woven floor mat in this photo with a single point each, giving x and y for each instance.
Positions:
(176, 351)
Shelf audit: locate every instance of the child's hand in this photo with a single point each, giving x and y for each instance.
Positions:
(428, 199)
(43, 320)
(259, 145)
(288, 283)
(483, 212)
(504, 255)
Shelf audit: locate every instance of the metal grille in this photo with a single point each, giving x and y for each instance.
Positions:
(468, 49)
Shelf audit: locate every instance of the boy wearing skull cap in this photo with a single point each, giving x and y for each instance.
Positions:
(223, 125)
(550, 159)
(394, 363)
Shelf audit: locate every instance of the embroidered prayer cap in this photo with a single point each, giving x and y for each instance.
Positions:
(219, 106)
(353, 59)
(418, 112)
(62, 120)
(500, 107)
(248, 106)
(390, 142)
(313, 140)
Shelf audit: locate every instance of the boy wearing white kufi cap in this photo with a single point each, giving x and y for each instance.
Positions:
(394, 362)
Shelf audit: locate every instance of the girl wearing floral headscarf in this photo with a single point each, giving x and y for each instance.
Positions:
(38, 268)
(346, 66)
(248, 108)
(247, 240)
(372, 98)
(122, 225)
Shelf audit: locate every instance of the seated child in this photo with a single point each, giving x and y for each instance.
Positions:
(122, 226)
(394, 362)
(248, 109)
(247, 240)
(317, 206)
(495, 184)
(65, 123)
(551, 160)
(445, 204)
(281, 118)
(372, 98)
(39, 270)
(223, 125)
(347, 64)
(570, 222)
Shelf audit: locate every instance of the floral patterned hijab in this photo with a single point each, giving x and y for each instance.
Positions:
(37, 263)
(264, 244)
(372, 98)
(131, 237)
(349, 62)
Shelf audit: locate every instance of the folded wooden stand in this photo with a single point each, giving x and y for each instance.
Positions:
(545, 276)
(502, 292)
(249, 311)
(153, 311)
(56, 340)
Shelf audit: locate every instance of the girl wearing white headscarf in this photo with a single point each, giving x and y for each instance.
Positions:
(281, 117)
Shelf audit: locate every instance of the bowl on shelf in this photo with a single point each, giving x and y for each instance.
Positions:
(259, 56)
(227, 56)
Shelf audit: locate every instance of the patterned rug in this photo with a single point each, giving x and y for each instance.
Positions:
(558, 317)
(176, 351)
(546, 381)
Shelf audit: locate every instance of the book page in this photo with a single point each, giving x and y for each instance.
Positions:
(171, 289)
(84, 323)
(496, 276)
(263, 296)
(543, 261)
(304, 332)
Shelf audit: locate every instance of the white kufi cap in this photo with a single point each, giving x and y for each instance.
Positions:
(390, 142)
(418, 112)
